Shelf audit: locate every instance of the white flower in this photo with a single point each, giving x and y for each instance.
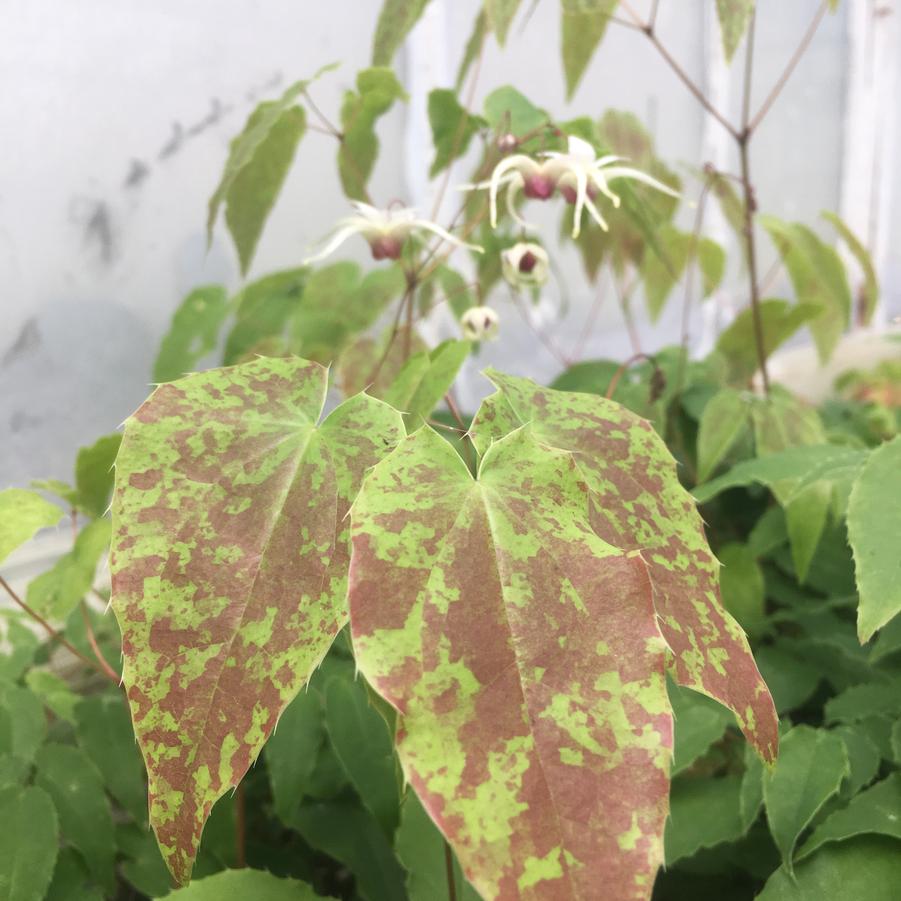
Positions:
(525, 264)
(385, 230)
(480, 324)
(578, 173)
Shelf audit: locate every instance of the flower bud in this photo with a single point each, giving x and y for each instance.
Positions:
(525, 264)
(386, 247)
(480, 324)
(507, 143)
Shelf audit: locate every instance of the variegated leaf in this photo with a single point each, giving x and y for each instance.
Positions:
(228, 562)
(640, 505)
(523, 654)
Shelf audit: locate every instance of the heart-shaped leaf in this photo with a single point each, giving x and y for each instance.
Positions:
(228, 562)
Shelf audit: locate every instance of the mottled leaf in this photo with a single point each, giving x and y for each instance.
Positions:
(641, 506)
(76, 788)
(582, 29)
(818, 277)
(779, 321)
(396, 20)
(810, 769)
(377, 90)
(420, 847)
(861, 869)
(228, 566)
(29, 843)
(734, 16)
(105, 734)
(874, 531)
(703, 813)
(365, 748)
(193, 334)
(22, 513)
(523, 655)
(351, 835)
(878, 809)
(725, 417)
(56, 593)
(244, 885)
(868, 296)
(143, 866)
(452, 128)
(500, 14)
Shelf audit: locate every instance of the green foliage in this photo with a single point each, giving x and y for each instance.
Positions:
(452, 128)
(734, 16)
(396, 20)
(240, 885)
(377, 90)
(194, 332)
(22, 514)
(725, 418)
(868, 297)
(582, 29)
(500, 14)
(28, 843)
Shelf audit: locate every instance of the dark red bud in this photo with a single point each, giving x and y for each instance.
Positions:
(538, 187)
(386, 248)
(527, 262)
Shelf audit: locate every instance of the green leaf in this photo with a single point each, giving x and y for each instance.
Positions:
(23, 724)
(232, 460)
(143, 867)
(639, 505)
(365, 748)
(28, 843)
(818, 277)
(861, 868)
(875, 810)
(13, 770)
(699, 722)
(712, 263)
(55, 593)
(452, 128)
(22, 513)
(94, 474)
(860, 701)
(396, 20)
(463, 634)
(500, 14)
(54, 692)
(703, 813)
(21, 643)
(724, 419)
(338, 304)
(105, 734)
(874, 524)
(264, 309)
(473, 47)
(193, 334)
(750, 798)
(788, 465)
(67, 775)
(582, 29)
(660, 272)
(244, 885)
(420, 847)
(371, 365)
(868, 297)
(426, 378)
(790, 678)
(258, 161)
(888, 641)
(781, 422)
(863, 758)
(507, 110)
(808, 771)
(737, 345)
(71, 879)
(734, 16)
(742, 587)
(351, 835)
(292, 751)
(377, 91)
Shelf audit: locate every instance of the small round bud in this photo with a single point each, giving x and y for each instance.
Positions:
(480, 324)
(525, 265)
(386, 247)
(538, 186)
(507, 143)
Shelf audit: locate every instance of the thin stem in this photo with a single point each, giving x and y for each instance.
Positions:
(545, 339)
(449, 870)
(95, 646)
(635, 358)
(623, 294)
(326, 122)
(54, 635)
(471, 453)
(683, 76)
(790, 67)
(587, 329)
(750, 206)
(408, 331)
(395, 328)
(652, 18)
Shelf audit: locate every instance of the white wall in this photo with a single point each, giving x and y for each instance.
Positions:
(115, 117)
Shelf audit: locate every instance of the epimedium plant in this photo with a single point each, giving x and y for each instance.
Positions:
(478, 656)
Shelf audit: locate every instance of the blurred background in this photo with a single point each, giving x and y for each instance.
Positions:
(116, 117)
